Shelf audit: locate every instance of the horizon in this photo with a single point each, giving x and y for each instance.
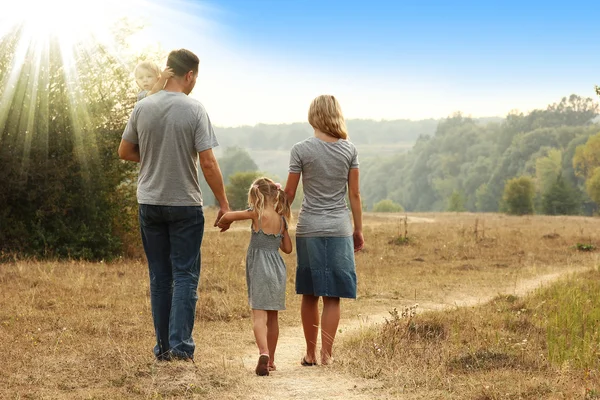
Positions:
(264, 61)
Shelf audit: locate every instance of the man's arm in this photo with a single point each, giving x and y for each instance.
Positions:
(129, 151)
(214, 178)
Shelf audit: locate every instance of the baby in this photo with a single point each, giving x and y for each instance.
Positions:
(150, 79)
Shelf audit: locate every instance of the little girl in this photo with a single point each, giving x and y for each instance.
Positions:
(265, 269)
(150, 79)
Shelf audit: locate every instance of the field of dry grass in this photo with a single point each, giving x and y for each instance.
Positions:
(75, 330)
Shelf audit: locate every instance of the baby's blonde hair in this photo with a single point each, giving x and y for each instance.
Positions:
(263, 189)
(149, 65)
(325, 114)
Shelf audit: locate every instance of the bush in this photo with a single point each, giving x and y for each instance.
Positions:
(387, 205)
(518, 196)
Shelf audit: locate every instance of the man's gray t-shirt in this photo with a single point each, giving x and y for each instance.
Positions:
(170, 129)
(324, 167)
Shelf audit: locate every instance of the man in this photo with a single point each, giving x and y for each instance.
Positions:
(167, 133)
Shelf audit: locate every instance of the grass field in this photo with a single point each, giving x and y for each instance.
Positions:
(77, 330)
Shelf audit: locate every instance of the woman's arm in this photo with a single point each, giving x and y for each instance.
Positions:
(232, 216)
(356, 207)
(291, 186)
(286, 242)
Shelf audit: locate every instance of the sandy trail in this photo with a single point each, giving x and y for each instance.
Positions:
(293, 381)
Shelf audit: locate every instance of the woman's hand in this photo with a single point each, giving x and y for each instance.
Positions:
(359, 241)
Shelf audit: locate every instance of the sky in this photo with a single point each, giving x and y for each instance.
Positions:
(263, 61)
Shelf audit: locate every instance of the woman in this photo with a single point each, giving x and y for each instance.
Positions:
(325, 238)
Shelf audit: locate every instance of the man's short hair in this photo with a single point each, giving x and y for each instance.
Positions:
(183, 61)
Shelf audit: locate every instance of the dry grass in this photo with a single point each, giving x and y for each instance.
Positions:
(72, 330)
(542, 347)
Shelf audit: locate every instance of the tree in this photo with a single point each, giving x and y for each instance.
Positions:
(587, 157)
(561, 199)
(237, 189)
(485, 201)
(64, 191)
(456, 203)
(518, 195)
(235, 159)
(548, 169)
(592, 186)
(387, 205)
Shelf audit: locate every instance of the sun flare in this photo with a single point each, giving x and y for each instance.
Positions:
(66, 21)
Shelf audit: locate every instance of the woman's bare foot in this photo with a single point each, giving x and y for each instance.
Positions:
(326, 359)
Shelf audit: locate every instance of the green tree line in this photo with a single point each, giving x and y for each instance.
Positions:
(466, 165)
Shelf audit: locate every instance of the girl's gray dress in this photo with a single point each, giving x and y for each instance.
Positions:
(265, 270)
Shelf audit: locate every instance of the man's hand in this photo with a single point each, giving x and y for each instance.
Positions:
(220, 222)
(359, 241)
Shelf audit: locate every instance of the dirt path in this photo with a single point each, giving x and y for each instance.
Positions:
(292, 381)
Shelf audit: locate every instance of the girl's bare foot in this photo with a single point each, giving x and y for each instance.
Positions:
(262, 368)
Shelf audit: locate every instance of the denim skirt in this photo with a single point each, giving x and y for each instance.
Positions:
(326, 266)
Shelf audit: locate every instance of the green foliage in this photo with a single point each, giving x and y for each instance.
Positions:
(237, 189)
(587, 157)
(476, 158)
(561, 199)
(547, 170)
(456, 203)
(592, 186)
(387, 205)
(518, 195)
(585, 247)
(65, 193)
(485, 201)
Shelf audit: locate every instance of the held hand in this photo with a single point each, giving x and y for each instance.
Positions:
(359, 241)
(223, 225)
(220, 222)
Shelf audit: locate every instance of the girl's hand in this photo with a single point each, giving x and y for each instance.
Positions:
(359, 241)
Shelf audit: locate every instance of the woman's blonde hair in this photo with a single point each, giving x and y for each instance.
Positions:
(149, 65)
(263, 189)
(325, 114)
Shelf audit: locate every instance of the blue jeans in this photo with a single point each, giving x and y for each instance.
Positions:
(172, 237)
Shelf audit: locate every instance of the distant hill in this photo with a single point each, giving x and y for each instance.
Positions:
(269, 144)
